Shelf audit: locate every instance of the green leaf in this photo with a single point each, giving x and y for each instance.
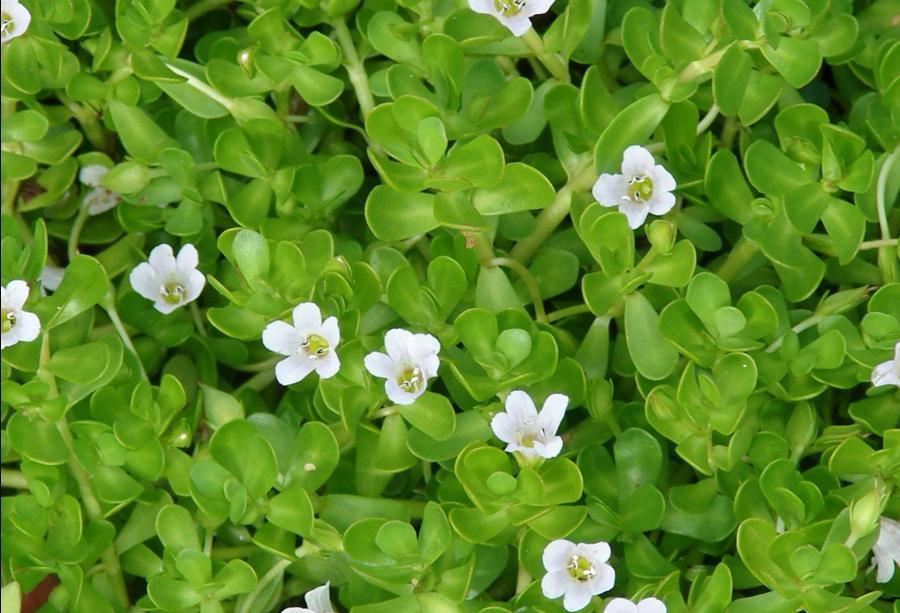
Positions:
(292, 510)
(632, 126)
(521, 188)
(395, 216)
(432, 414)
(142, 137)
(651, 353)
(239, 448)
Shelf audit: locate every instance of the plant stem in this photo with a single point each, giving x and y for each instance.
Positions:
(13, 479)
(552, 61)
(203, 88)
(737, 260)
(708, 119)
(807, 323)
(89, 121)
(277, 569)
(530, 283)
(355, 69)
(554, 214)
(887, 261)
(198, 319)
(885, 242)
(109, 305)
(578, 309)
(258, 381)
(75, 232)
(198, 9)
(109, 557)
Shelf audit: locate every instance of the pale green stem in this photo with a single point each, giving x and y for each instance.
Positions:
(263, 584)
(202, 87)
(807, 323)
(109, 305)
(109, 557)
(530, 283)
(355, 69)
(578, 309)
(552, 61)
(13, 479)
(198, 318)
(880, 189)
(259, 381)
(885, 242)
(89, 121)
(737, 259)
(208, 542)
(553, 215)
(198, 9)
(75, 232)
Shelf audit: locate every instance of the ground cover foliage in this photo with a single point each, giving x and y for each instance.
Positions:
(286, 284)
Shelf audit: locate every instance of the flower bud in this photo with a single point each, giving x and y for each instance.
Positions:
(864, 514)
(662, 233)
(842, 301)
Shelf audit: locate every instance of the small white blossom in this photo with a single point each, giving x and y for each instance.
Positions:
(309, 344)
(886, 550)
(888, 373)
(647, 605)
(51, 277)
(524, 430)
(16, 325)
(644, 187)
(98, 200)
(14, 20)
(577, 572)
(514, 14)
(411, 360)
(168, 281)
(317, 601)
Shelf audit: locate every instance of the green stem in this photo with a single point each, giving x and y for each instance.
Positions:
(258, 382)
(355, 69)
(89, 121)
(578, 309)
(198, 9)
(198, 319)
(552, 61)
(887, 261)
(13, 479)
(109, 557)
(885, 242)
(483, 248)
(530, 283)
(807, 323)
(737, 260)
(109, 305)
(75, 232)
(553, 215)
(276, 571)
(230, 553)
(203, 88)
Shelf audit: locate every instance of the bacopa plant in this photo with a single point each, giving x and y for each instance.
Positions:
(452, 306)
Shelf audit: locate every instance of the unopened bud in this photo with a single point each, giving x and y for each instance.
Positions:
(662, 233)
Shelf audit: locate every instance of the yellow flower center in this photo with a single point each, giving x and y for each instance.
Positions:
(6, 22)
(640, 188)
(8, 320)
(315, 346)
(173, 292)
(411, 379)
(581, 569)
(508, 8)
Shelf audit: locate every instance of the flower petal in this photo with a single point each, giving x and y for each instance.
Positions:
(282, 338)
(552, 413)
(194, 286)
(549, 448)
(486, 7)
(651, 605)
(421, 346)
(331, 332)
(555, 584)
(380, 365)
(661, 202)
(16, 295)
(662, 179)
(143, 280)
(539, 7)
(520, 407)
(398, 395)
(620, 605)
(885, 374)
(637, 162)
(328, 366)
(598, 552)
(164, 306)
(319, 599)
(578, 596)
(557, 554)
(396, 343)
(188, 258)
(635, 212)
(503, 427)
(307, 318)
(162, 260)
(604, 580)
(28, 326)
(293, 369)
(609, 189)
(92, 174)
(517, 24)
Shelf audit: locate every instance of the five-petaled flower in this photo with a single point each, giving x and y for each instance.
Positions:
(647, 605)
(888, 373)
(644, 187)
(411, 360)
(317, 601)
(886, 550)
(51, 277)
(525, 430)
(16, 325)
(310, 344)
(168, 281)
(577, 572)
(514, 14)
(14, 20)
(99, 199)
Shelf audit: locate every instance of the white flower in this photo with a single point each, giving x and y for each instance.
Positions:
(309, 344)
(98, 200)
(888, 373)
(317, 601)
(51, 277)
(514, 14)
(647, 605)
(886, 550)
(526, 431)
(643, 187)
(14, 20)
(168, 281)
(16, 325)
(578, 571)
(411, 360)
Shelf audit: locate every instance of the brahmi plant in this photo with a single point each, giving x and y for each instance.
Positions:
(463, 306)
